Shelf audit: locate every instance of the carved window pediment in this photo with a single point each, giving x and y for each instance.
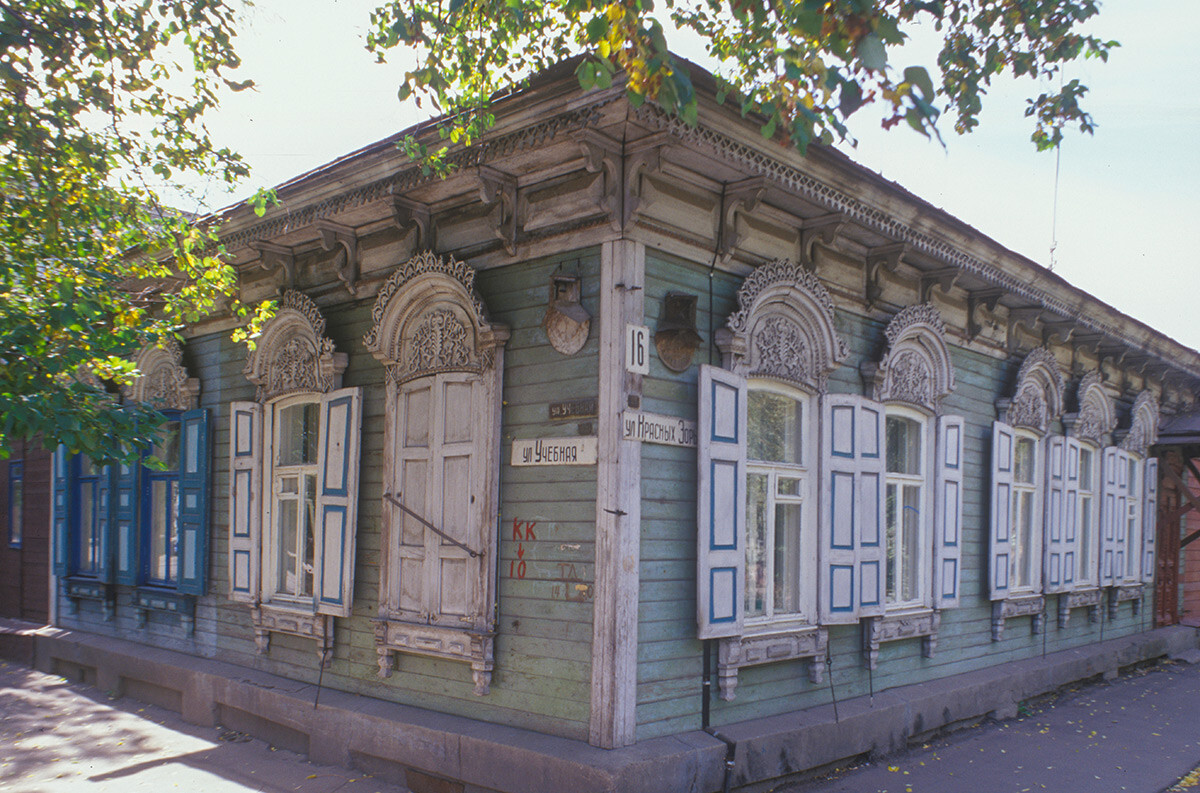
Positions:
(1143, 424)
(916, 367)
(1095, 417)
(428, 319)
(784, 328)
(1038, 395)
(164, 382)
(293, 355)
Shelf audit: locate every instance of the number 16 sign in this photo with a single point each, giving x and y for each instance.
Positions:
(637, 349)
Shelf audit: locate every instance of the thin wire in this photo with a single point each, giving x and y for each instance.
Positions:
(1054, 211)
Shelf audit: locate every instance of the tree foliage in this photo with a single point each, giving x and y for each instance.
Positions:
(803, 66)
(99, 98)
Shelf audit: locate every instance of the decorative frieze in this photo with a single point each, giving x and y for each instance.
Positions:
(305, 624)
(475, 648)
(1027, 606)
(293, 355)
(1084, 598)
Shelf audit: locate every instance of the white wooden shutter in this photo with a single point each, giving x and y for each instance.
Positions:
(1149, 519)
(1000, 537)
(1114, 496)
(1072, 557)
(851, 503)
(721, 503)
(947, 512)
(1053, 575)
(337, 500)
(245, 500)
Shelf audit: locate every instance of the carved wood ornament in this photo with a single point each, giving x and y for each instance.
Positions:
(164, 382)
(1143, 425)
(1037, 398)
(293, 355)
(1095, 418)
(916, 368)
(784, 328)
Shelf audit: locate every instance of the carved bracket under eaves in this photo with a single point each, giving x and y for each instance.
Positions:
(977, 299)
(642, 158)
(1018, 317)
(343, 241)
(499, 191)
(944, 277)
(824, 229)
(277, 257)
(414, 216)
(885, 258)
(602, 155)
(741, 196)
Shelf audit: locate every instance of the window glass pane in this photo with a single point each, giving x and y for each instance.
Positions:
(86, 466)
(1133, 488)
(903, 445)
(1023, 537)
(289, 526)
(1023, 461)
(788, 486)
(87, 519)
(757, 528)
(911, 523)
(891, 518)
(787, 558)
(298, 434)
(166, 447)
(1085, 469)
(774, 428)
(310, 509)
(159, 531)
(1085, 537)
(16, 502)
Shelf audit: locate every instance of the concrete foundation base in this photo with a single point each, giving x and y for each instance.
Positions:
(435, 752)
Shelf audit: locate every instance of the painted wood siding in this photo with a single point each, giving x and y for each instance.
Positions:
(670, 661)
(25, 570)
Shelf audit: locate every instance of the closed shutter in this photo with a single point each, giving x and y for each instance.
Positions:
(1000, 537)
(194, 475)
(245, 499)
(1054, 576)
(852, 485)
(337, 500)
(1149, 520)
(106, 524)
(128, 510)
(947, 512)
(62, 516)
(1114, 497)
(721, 503)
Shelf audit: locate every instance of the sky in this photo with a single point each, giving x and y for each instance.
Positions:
(1128, 198)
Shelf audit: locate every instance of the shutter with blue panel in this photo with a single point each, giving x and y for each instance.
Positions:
(127, 510)
(337, 500)
(947, 512)
(106, 523)
(853, 545)
(245, 499)
(1149, 520)
(1072, 556)
(62, 517)
(1000, 535)
(721, 503)
(1055, 548)
(194, 475)
(1114, 517)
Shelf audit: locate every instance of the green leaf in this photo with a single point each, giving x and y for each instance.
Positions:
(871, 52)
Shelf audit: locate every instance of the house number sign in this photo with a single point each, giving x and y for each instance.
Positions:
(654, 428)
(637, 349)
(554, 451)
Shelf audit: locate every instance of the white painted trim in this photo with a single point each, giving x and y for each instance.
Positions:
(613, 721)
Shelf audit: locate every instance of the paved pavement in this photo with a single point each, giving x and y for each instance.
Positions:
(57, 736)
(1139, 733)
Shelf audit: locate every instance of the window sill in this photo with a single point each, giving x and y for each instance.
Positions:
(1088, 598)
(167, 600)
(83, 588)
(893, 626)
(768, 645)
(1026, 604)
(438, 641)
(295, 621)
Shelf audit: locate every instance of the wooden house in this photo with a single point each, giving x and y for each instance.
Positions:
(627, 429)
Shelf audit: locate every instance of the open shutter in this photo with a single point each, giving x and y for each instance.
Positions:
(721, 503)
(245, 499)
(1149, 519)
(1114, 493)
(852, 483)
(1000, 539)
(106, 523)
(194, 474)
(947, 512)
(127, 513)
(1055, 549)
(62, 520)
(1072, 557)
(337, 500)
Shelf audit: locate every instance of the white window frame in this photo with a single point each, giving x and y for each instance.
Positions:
(925, 480)
(273, 474)
(1036, 489)
(1087, 565)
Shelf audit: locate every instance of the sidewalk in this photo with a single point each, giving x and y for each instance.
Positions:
(1139, 733)
(56, 736)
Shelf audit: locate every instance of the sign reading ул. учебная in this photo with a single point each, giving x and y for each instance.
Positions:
(554, 451)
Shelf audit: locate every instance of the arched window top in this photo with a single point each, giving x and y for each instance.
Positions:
(1143, 424)
(915, 369)
(293, 354)
(164, 382)
(784, 328)
(1037, 397)
(428, 319)
(1096, 417)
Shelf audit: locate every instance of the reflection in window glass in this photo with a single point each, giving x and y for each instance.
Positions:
(757, 529)
(16, 502)
(903, 445)
(295, 487)
(161, 547)
(298, 434)
(1084, 568)
(1023, 463)
(775, 428)
(903, 501)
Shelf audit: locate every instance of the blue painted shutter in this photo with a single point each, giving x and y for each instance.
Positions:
(947, 512)
(128, 513)
(1053, 573)
(721, 503)
(62, 517)
(1000, 537)
(194, 475)
(851, 501)
(1109, 492)
(1149, 520)
(337, 500)
(245, 499)
(1072, 553)
(106, 523)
